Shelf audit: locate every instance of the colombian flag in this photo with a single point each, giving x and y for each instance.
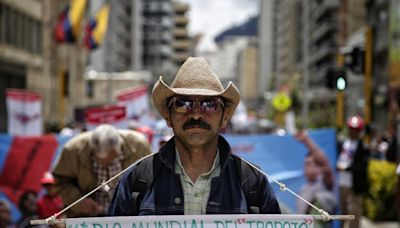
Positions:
(96, 28)
(69, 22)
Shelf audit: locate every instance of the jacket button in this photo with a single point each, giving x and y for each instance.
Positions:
(177, 200)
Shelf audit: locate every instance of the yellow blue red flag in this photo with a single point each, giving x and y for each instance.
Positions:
(69, 22)
(96, 28)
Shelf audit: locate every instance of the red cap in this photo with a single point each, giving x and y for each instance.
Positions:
(47, 178)
(355, 122)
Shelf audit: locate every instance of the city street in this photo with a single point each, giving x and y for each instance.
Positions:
(308, 91)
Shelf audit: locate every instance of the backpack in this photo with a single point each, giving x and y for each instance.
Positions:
(151, 166)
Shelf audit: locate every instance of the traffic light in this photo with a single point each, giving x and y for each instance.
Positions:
(354, 60)
(330, 78)
(336, 79)
(340, 79)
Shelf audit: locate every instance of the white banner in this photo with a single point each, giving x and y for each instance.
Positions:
(24, 110)
(196, 221)
(136, 101)
(111, 114)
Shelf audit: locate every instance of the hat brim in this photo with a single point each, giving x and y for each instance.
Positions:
(162, 92)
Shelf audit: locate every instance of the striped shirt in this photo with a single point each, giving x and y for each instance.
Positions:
(196, 194)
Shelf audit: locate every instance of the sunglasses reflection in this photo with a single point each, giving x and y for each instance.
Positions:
(186, 104)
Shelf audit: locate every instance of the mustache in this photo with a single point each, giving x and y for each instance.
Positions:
(196, 123)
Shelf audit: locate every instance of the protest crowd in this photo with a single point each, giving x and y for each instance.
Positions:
(89, 157)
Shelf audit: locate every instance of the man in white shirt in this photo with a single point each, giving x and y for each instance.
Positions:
(352, 169)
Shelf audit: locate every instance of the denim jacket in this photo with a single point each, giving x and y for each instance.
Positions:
(165, 194)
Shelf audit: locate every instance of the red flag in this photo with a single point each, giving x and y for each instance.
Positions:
(27, 160)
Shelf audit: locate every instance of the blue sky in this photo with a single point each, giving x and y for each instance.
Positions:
(211, 17)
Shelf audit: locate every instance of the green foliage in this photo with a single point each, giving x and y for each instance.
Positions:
(379, 203)
(322, 115)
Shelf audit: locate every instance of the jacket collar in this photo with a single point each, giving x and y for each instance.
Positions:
(167, 152)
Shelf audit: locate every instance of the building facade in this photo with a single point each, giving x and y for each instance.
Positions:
(31, 59)
(267, 43)
(288, 34)
(182, 43)
(26, 52)
(158, 36)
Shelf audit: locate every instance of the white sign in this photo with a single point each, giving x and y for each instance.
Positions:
(195, 221)
(136, 101)
(110, 114)
(24, 110)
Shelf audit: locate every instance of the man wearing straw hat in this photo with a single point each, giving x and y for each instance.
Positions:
(195, 172)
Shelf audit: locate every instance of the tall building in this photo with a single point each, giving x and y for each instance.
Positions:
(385, 98)
(267, 43)
(386, 87)
(323, 39)
(248, 80)
(157, 39)
(226, 60)
(139, 37)
(121, 49)
(27, 52)
(182, 43)
(288, 41)
(231, 43)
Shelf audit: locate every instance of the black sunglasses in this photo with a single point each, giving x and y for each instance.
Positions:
(186, 104)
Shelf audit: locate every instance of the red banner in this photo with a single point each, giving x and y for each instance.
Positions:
(27, 160)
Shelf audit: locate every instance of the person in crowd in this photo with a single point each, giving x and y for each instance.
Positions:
(28, 208)
(5, 214)
(50, 203)
(195, 172)
(379, 147)
(68, 129)
(320, 181)
(352, 169)
(89, 159)
(72, 128)
(391, 154)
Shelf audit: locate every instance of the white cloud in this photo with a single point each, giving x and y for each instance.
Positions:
(210, 17)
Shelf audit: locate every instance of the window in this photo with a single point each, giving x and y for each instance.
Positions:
(64, 83)
(90, 89)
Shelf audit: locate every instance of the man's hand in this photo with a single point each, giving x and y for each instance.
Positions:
(302, 136)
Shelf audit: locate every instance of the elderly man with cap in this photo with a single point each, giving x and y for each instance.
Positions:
(195, 172)
(89, 159)
(352, 166)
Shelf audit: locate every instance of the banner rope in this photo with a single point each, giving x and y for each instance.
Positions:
(50, 220)
(325, 216)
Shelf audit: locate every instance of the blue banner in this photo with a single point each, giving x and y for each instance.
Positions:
(281, 157)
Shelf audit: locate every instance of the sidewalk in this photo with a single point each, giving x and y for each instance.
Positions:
(366, 223)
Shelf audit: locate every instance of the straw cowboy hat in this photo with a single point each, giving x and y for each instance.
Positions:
(195, 78)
